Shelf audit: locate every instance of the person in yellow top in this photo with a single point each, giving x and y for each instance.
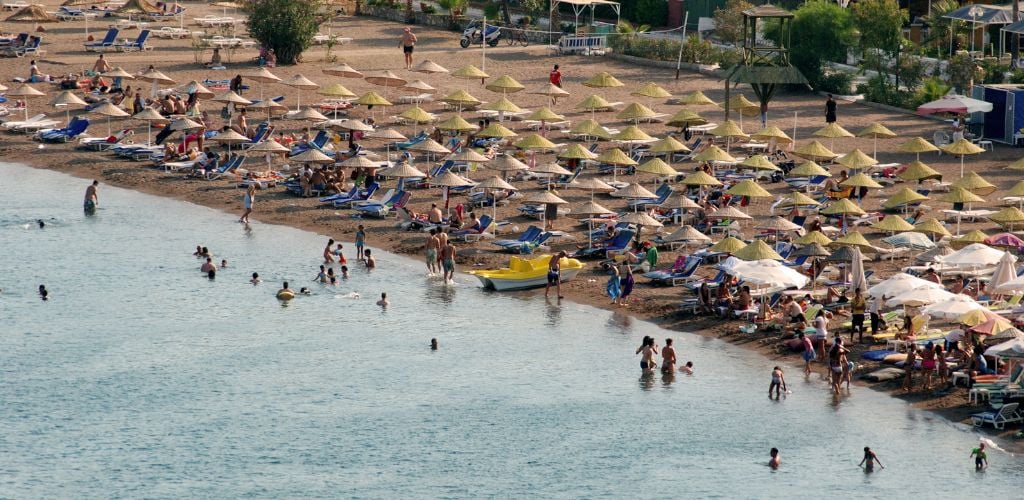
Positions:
(858, 306)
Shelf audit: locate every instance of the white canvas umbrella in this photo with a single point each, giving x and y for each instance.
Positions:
(1005, 271)
(1016, 285)
(768, 273)
(857, 279)
(1013, 348)
(952, 308)
(900, 283)
(974, 256)
(920, 297)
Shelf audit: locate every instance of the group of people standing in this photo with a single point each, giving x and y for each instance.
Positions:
(649, 349)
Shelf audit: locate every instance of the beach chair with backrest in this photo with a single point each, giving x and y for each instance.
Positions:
(381, 210)
(475, 234)
(1006, 415)
(678, 274)
(663, 194)
(530, 234)
(233, 163)
(137, 45)
(75, 128)
(360, 196)
(106, 43)
(339, 196)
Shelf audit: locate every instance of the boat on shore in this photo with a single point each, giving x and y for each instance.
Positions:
(523, 274)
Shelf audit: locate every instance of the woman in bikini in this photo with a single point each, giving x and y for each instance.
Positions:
(649, 350)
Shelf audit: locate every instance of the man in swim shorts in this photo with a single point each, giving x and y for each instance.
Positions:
(433, 245)
(448, 262)
(408, 43)
(92, 197)
(555, 274)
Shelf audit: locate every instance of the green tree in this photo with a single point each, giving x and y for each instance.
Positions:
(821, 31)
(454, 7)
(652, 12)
(880, 23)
(729, 21)
(942, 28)
(963, 72)
(285, 26)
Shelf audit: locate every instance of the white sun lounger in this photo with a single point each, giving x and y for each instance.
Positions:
(11, 124)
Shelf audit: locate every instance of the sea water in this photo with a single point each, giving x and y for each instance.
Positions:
(140, 377)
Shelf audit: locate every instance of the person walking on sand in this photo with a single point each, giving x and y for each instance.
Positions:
(433, 248)
(778, 382)
(869, 460)
(613, 286)
(830, 110)
(408, 43)
(908, 368)
(555, 274)
(247, 201)
(626, 283)
(92, 198)
(668, 358)
(556, 79)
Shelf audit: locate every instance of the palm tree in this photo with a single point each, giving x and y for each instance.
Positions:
(627, 28)
(940, 28)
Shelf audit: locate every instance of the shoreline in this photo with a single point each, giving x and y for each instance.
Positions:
(950, 407)
(373, 39)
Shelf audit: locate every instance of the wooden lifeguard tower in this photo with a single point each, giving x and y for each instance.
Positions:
(765, 63)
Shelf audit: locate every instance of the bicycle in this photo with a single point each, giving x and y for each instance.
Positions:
(516, 36)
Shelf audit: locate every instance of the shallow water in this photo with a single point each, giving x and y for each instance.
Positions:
(140, 377)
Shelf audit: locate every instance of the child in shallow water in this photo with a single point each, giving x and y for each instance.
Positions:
(778, 382)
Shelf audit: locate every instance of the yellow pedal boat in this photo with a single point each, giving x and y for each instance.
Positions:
(522, 274)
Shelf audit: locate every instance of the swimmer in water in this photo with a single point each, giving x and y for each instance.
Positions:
(433, 344)
(43, 294)
(340, 254)
(42, 224)
(198, 252)
(305, 291)
(223, 263)
(208, 266)
(383, 302)
(344, 272)
(868, 462)
(370, 261)
(775, 461)
(255, 279)
(284, 288)
(322, 275)
(211, 274)
(333, 280)
(687, 368)
(205, 252)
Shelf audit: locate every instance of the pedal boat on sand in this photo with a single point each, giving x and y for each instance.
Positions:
(522, 274)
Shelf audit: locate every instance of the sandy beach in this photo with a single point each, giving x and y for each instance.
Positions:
(374, 48)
